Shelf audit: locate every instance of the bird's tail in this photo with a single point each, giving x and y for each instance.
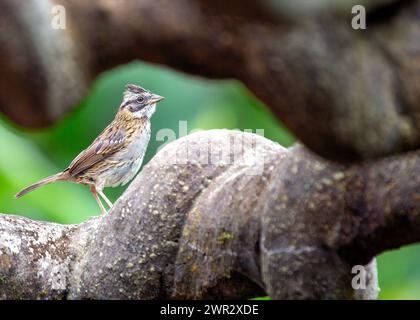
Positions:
(56, 177)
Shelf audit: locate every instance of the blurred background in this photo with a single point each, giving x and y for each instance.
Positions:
(27, 156)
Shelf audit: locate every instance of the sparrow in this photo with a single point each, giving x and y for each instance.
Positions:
(116, 155)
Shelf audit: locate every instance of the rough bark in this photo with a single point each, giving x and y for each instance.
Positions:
(346, 94)
(223, 214)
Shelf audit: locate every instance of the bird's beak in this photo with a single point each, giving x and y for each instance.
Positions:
(156, 98)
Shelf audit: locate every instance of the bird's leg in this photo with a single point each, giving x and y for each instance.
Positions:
(95, 195)
(108, 202)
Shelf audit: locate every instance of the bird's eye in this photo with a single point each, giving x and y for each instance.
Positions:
(140, 99)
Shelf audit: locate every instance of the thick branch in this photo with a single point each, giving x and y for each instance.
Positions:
(222, 214)
(346, 94)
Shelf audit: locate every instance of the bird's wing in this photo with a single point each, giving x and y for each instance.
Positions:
(109, 141)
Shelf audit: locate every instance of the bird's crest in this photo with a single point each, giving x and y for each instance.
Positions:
(132, 88)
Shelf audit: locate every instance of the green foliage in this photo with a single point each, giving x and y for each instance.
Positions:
(399, 273)
(27, 156)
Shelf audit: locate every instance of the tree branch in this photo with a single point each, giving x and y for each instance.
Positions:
(346, 94)
(223, 214)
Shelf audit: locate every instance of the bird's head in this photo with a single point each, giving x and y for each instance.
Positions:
(139, 102)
